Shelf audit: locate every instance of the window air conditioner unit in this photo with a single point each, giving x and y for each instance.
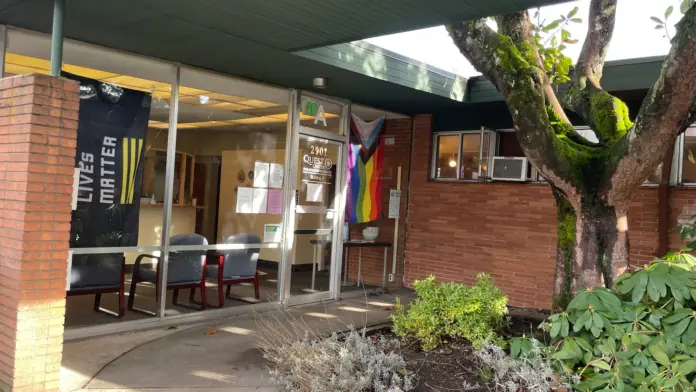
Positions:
(509, 169)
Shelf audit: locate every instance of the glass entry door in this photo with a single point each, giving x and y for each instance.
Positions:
(315, 203)
(316, 213)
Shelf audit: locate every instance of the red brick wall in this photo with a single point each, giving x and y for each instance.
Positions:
(372, 258)
(38, 130)
(456, 230)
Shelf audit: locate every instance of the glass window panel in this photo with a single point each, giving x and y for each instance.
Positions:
(124, 95)
(689, 157)
(447, 156)
(471, 150)
(227, 191)
(320, 114)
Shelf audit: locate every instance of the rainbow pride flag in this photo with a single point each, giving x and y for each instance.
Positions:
(365, 161)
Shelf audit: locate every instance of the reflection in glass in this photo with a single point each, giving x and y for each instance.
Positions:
(689, 157)
(315, 214)
(447, 156)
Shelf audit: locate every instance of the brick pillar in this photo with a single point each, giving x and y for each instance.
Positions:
(38, 135)
(421, 158)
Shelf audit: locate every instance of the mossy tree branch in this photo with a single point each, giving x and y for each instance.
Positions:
(604, 113)
(668, 109)
(548, 140)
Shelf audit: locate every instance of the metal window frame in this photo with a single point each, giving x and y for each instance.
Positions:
(433, 163)
(342, 140)
(162, 319)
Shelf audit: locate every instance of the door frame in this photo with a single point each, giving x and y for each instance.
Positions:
(295, 129)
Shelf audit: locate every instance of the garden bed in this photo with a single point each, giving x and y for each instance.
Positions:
(451, 367)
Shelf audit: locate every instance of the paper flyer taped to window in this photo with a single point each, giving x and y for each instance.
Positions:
(275, 201)
(315, 192)
(260, 198)
(275, 178)
(245, 196)
(260, 174)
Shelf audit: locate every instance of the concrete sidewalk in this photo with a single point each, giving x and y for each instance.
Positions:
(213, 356)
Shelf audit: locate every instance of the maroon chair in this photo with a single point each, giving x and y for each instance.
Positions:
(185, 270)
(99, 274)
(236, 266)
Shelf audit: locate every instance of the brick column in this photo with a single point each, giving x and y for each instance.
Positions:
(38, 133)
(421, 158)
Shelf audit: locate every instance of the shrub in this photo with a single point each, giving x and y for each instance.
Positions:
(304, 361)
(452, 310)
(530, 371)
(638, 337)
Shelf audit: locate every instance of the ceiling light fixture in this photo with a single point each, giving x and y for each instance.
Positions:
(319, 83)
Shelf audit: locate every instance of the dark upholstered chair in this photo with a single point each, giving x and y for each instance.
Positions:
(99, 274)
(237, 266)
(185, 270)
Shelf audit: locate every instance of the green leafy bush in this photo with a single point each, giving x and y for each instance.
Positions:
(638, 337)
(452, 310)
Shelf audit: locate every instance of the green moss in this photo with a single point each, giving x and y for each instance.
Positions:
(609, 116)
(511, 58)
(566, 233)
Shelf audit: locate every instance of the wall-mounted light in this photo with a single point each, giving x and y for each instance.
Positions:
(319, 83)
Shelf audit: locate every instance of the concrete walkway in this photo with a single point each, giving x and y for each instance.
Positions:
(216, 356)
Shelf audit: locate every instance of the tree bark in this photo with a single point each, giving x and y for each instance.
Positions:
(592, 247)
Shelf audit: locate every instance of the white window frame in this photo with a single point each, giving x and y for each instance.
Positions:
(678, 161)
(492, 146)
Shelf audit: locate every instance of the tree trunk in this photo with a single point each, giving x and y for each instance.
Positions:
(592, 246)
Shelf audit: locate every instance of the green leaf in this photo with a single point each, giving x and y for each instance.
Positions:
(573, 12)
(610, 300)
(555, 329)
(639, 289)
(669, 11)
(600, 364)
(579, 302)
(565, 327)
(656, 20)
(659, 352)
(551, 26)
(677, 316)
(689, 336)
(685, 5)
(565, 34)
(580, 322)
(680, 327)
(576, 20)
(687, 367)
(515, 347)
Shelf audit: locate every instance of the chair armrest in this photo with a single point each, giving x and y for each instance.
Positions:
(140, 258)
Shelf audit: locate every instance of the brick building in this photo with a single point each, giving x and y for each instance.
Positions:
(144, 153)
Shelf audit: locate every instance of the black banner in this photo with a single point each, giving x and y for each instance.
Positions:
(110, 157)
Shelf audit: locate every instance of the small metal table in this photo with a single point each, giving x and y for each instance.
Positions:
(360, 244)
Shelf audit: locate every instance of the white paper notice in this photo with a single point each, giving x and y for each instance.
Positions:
(276, 176)
(245, 197)
(260, 175)
(258, 205)
(394, 203)
(315, 192)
